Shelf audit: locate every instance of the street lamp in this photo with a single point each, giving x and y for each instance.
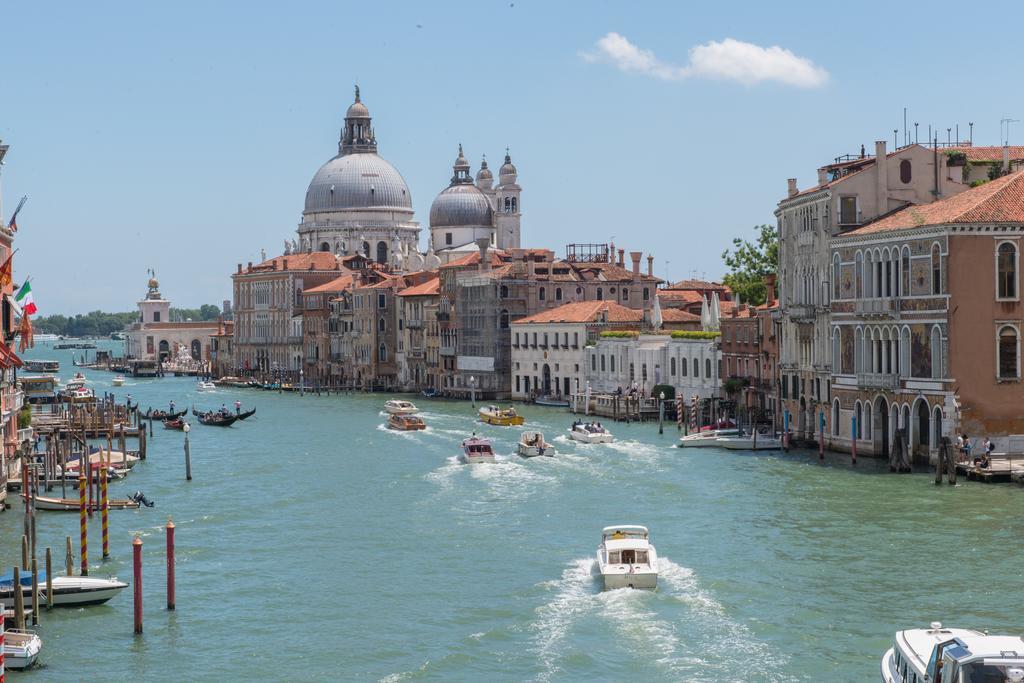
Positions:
(188, 455)
(661, 412)
(472, 390)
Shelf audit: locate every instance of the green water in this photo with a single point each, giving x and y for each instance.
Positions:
(314, 544)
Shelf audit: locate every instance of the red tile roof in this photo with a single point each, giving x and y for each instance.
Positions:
(339, 284)
(699, 285)
(678, 315)
(674, 297)
(994, 153)
(426, 288)
(585, 312)
(497, 257)
(318, 260)
(997, 201)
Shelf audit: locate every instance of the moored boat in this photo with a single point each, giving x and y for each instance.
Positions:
(74, 591)
(552, 401)
(532, 444)
(502, 417)
(21, 649)
(590, 432)
(42, 365)
(957, 655)
(177, 424)
(71, 504)
(399, 407)
(752, 441)
(405, 423)
(626, 558)
(477, 450)
(706, 438)
(430, 392)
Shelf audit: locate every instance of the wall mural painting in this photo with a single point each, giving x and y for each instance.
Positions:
(846, 350)
(920, 351)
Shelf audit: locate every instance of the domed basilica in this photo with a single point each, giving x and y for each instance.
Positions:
(359, 203)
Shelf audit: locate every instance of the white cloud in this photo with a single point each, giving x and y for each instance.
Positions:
(729, 60)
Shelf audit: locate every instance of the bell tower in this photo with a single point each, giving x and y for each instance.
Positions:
(507, 208)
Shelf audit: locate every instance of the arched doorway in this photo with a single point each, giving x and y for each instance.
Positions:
(325, 246)
(164, 349)
(936, 427)
(547, 378)
(382, 252)
(923, 426)
(196, 350)
(881, 429)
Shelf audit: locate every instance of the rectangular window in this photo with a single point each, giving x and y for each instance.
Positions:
(448, 238)
(575, 339)
(847, 210)
(382, 301)
(593, 362)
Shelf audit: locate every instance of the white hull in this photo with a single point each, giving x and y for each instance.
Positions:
(117, 381)
(591, 437)
(534, 451)
(400, 409)
(889, 667)
(21, 649)
(478, 459)
(706, 439)
(748, 443)
(71, 591)
(615, 577)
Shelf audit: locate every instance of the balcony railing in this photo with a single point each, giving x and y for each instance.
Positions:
(414, 323)
(447, 350)
(886, 308)
(878, 380)
(802, 312)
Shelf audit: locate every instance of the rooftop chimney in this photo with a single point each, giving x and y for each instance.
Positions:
(1006, 159)
(636, 256)
(622, 257)
(485, 263)
(611, 252)
(284, 264)
(250, 265)
(769, 285)
(239, 268)
(650, 266)
(822, 176)
(792, 186)
(881, 179)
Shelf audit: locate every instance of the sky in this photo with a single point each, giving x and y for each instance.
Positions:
(182, 136)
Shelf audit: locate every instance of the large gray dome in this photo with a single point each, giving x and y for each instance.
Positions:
(461, 205)
(357, 181)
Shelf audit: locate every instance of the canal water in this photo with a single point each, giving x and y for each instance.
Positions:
(314, 544)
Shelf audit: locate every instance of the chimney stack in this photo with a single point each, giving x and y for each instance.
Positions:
(650, 266)
(284, 264)
(622, 257)
(485, 263)
(769, 285)
(792, 186)
(636, 256)
(239, 268)
(1006, 159)
(881, 179)
(822, 176)
(250, 265)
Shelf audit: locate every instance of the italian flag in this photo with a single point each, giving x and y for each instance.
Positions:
(25, 300)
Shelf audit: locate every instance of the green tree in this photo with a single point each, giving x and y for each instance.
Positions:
(748, 262)
(209, 312)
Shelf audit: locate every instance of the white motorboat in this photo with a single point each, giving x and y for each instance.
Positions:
(118, 459)
(590, 432)
(476, 450)
(626, 558)
(397, 407)
(533, 444)
(21, 649)
(706, 438)
(953, 655)
(205, 386)
(118, 381)
(68, 591)
(750, 442)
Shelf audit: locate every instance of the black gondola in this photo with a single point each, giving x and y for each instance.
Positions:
(217, 419)
(162, 415)
(248, 413)
(176, 424)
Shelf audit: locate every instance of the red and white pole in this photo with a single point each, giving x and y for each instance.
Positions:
(170, 564)
(83, 524)
(137, 571)
(2, 643)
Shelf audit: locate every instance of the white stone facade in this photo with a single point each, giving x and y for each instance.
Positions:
(691, 366)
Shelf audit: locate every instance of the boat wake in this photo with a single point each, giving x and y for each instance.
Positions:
(575, 594)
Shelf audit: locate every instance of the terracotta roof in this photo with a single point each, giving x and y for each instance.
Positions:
(585, 312)
(997, 201)
(497, 256)
(678, 315)
(608, 272)
(338, 284)
(679, 296)
(318, 260)
(994, 153)
(195, 325)
(427, 288)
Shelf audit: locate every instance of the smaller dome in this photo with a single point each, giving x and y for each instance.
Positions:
(507, 172)
(357, 110)
(461, 205)
(484, 173)
(460, 163)
(153, 284)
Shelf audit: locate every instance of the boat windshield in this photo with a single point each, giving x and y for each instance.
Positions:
(991, 671)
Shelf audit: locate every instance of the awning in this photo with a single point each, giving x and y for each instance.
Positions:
(8, 359)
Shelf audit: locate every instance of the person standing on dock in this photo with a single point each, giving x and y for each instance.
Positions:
(960, 455)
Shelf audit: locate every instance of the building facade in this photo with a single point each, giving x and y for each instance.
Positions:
(689, 365)
(155, 337)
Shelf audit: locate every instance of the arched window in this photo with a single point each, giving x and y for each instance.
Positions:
(541, 294)
(672, 366)
(503, 320)
(504, 291)
(197, 350)
(905, 272)
(558, 293)
(602, 362)
(508, 204)
(836, 353)
(936, 344)
(683, 365)
(366, 249)
(696, 368)
(904, 350)
(836, 294)
(865, 431)
(600, 294)
(515, 205)
(381, 325)
(707, 368)
(905, 171)
(835, 417)
(611, 363)
(936, 270)
(382, 252)
(625, 294)
(1006, 271)
(1009, 353)
(858, 274)
(647, 294)
(325, 246)
(382, 353)
(858, 350)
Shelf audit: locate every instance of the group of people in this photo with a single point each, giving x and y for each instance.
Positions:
(964, 448)
(589, 426)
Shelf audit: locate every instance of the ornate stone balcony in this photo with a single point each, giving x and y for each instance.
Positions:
(801, 312)
(889, 381)
(877, 308)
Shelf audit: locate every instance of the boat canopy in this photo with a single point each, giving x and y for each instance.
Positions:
(625, 530)
(7, 580)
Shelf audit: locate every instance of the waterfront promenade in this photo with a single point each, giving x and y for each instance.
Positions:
(314, 544)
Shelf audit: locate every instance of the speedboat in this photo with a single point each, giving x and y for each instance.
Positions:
(750, 442)
(68, 591)
(705, 438)
(590, 432)
(503, 417)
(476, 450)
(118, 381)
(626, 558)
(406, 423)
(940, 654)
(396, 407)
(205, 386)
(21, 649)
(552, 401)
(532, 444)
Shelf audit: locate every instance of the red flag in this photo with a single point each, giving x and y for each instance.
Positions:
(7, 271)
(27, 337)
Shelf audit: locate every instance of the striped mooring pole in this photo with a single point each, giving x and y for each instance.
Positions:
(83, 525)
(105, 513)
(2, 627)
(137, 576)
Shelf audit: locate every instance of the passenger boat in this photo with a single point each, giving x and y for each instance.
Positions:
(42, 365)
(216, 419)
(476, 450)
(205, 386)
(953, 655)
(405, 423)
(503, 417)
(552, 401)
(39, 389)
(68, 591)
(532, 444)
(163, 414)
(71, 504)
(177, 424)
(21, 649)
(245, 414)
(271, 386)
(705, 439)
(118, 381)
(752, 441)
(591, 432)
(397, 407)
(626, 558)
(113, 458)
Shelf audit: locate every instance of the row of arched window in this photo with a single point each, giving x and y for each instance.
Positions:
(886, 272)
(888, 350)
